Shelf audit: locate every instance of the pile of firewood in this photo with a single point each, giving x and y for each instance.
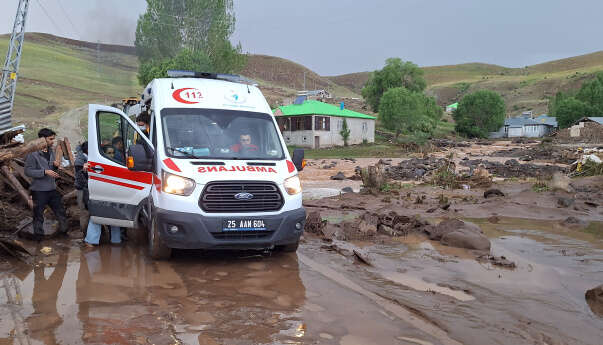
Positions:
(12, 167)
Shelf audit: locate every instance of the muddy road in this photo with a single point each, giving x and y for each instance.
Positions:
(416, 292)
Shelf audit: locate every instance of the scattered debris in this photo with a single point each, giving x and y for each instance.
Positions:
(46, 251)
(497, 261)
(565, 202)
(457, 233)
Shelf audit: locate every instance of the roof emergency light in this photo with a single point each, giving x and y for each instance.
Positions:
(205, 75)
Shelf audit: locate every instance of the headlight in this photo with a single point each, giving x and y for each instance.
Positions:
(174, 184)
(293, 185)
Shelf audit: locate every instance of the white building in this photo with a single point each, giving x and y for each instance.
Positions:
(315, 124)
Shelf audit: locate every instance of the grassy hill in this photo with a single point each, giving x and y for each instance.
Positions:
(59, 77)
(522, 88)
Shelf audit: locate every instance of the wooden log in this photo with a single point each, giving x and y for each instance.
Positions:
(21, 172)
(17, 186)
(70, 196)
(68, 152)
(58, 155)
(21, 151)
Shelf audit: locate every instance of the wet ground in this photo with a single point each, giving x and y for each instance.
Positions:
(416, 292)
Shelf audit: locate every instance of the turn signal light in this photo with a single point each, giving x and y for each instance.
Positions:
(130, 162)
(304, 162)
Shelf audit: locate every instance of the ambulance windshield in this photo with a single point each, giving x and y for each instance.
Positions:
(220, 134)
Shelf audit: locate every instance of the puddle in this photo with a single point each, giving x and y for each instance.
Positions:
(421, 285)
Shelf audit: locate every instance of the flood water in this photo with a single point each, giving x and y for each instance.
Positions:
(417, 292)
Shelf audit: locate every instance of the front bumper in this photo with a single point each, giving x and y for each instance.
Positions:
(204, 232)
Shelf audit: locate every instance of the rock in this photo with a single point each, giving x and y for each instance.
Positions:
(493, 192)
(420, 172)
(445, 206)
(314, 223)
(565, 202)
(457, 233)
(591, 204)
(497, 261)
(432, 210)
(561, 182)
(494, 220)
(366, 229)
(338, 177)
(594, 298)
(574, 222)
(347, 190)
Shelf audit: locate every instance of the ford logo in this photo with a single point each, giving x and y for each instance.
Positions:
(243, 196)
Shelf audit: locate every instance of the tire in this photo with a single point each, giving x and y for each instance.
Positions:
(290, 248)
(157, 249)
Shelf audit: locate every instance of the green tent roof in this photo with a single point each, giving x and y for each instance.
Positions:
(319, 108)
(453, 105)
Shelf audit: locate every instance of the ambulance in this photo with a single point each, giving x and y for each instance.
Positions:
(213, 173)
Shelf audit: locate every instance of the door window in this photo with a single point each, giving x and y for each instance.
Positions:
(115, 135)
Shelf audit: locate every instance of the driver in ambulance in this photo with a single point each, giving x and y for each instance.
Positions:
(244, 144)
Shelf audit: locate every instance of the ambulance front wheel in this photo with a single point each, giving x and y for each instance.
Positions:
(157, 249)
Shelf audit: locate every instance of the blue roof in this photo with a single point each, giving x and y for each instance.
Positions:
(522, 121)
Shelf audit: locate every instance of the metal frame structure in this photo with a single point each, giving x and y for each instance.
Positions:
(11, 66)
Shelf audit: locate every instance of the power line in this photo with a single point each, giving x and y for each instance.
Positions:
(49, 17)
(69, 19)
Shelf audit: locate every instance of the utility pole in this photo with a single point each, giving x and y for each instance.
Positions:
(10, 71)
(98, 60)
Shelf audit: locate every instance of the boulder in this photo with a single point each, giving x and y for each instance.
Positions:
(347, 190)
(338, 177)
(457, 233)
(565, 202)
(493, 192)
(594, 298)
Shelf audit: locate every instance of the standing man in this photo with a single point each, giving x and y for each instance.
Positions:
(81, 184)
(41, 167)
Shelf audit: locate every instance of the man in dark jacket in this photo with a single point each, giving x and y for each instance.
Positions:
(41, 167)
(81, 183)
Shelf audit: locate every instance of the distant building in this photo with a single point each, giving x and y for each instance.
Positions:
(315, 124)
(526, 126)
(585, 122)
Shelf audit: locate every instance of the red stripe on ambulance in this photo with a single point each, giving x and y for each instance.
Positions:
(127, 185)
(123, 173)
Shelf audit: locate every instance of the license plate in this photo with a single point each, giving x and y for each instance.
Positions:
(243, 225)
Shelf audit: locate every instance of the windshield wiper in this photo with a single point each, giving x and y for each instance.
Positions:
(186, 154)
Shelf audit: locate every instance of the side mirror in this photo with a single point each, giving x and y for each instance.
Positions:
(139, 158)
(298, 159)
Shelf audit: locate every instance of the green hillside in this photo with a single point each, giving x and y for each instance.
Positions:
(59, 75)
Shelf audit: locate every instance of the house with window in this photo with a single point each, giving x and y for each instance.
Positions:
(526, 126)
(315, 124)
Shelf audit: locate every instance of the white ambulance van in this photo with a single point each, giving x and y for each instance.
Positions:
(214, 172)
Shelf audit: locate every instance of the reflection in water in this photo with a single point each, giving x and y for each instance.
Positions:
(122, 297)
(45, 318)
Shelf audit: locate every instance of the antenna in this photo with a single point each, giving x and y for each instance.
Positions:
(10, 71)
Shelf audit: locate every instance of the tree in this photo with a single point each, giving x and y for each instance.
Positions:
(403, 111)
(345, 132)
(588, 101)
(591, 93)
(479, 113)
(203, 27)
(396, 73)
(569, 110)
(185, 60)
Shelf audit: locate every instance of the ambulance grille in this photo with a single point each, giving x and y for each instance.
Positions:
(219, 197)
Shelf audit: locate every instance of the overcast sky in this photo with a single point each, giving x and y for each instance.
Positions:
(343, 36)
